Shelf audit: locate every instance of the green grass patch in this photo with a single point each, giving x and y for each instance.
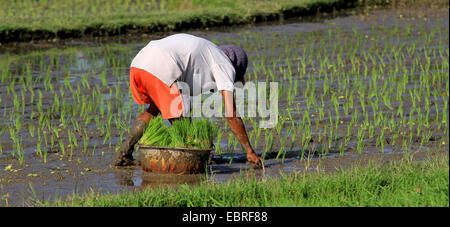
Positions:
(30, 20)
(399, 183)
(33, 20)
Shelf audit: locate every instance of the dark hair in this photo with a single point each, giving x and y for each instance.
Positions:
(238, 58)
(239, 78)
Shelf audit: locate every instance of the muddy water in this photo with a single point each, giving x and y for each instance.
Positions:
(91, 170)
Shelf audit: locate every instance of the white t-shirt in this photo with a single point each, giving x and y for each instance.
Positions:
(189, 59)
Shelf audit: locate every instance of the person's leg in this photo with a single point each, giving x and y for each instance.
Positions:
(151, 112)
(124, 156)
(146, 89)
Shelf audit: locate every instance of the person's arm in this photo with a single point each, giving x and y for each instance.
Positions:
(238, 128)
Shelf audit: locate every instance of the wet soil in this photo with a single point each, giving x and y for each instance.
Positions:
(80, 171)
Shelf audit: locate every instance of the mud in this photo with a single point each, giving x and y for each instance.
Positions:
(80, 170)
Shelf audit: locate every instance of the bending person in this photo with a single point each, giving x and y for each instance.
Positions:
(158, 69)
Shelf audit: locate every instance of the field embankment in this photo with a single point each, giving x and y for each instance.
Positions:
(48, 20)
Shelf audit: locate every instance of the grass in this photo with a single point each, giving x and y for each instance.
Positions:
(32, 20)
(27, 20)
(398, 183)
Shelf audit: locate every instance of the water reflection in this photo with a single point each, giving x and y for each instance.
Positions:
(155, 180)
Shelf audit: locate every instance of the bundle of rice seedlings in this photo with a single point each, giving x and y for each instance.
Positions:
(195, 133)
(178, 132)
(156, 133)
(204, 133)
(184, 133)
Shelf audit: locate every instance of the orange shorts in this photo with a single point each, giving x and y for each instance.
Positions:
(148, 89)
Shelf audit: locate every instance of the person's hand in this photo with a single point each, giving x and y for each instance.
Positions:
(238, 128)
(253, 159)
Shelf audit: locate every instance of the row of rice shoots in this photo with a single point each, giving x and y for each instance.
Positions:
(184, 133)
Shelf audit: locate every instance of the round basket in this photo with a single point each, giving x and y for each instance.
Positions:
(173, 160)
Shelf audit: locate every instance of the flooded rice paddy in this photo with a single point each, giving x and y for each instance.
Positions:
(363, 86)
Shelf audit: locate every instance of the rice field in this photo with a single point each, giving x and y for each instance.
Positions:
(371, 83)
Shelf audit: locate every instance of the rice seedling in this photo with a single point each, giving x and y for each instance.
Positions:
(184, 133)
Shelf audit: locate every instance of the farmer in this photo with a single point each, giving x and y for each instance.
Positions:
(161, 68)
